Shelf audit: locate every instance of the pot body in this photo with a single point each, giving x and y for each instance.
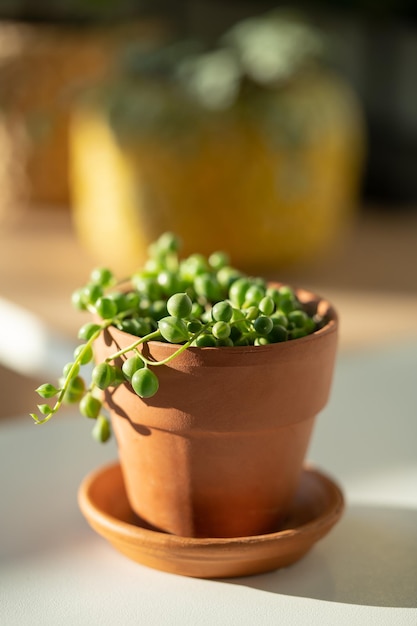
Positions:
(219, 450)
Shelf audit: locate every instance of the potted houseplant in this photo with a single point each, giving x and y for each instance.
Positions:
(212, 379)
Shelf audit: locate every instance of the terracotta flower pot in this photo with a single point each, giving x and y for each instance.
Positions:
(219, 450)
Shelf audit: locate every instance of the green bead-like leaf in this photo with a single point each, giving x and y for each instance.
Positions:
(147, 286)
(131, 301)
(279, 319)
(179, 305)
(47, 390)
(135, 326)
(278, 334)
(119, 378)
(205, 341)
(252, 312)
(87, 331)
(222, 311)
(75, 390)
(297, 333)
(102, 276)
(84, 354)
(237, 291)
(106, 307)
(194, 326)
(227, 276)
(263, 325)
(254, 295)
(101, 431)
(79, 300)
(92, 293)
(298, 318)
(221, 330)
(90, 406)
(145, 383)
(267, 305)
(261, 341)
(103, 375)
(68, 367)
(224, 342)
(131, 365)
(167, 242)
(169, 282)
(218, 260)
(45, 409)
(173, 329)
(207, 286)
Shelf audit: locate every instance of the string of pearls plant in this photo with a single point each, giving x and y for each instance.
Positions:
(192, 302)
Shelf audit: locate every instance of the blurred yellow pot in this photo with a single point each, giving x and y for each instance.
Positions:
(272, 187)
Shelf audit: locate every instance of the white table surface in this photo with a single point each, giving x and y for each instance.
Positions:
(54, 570)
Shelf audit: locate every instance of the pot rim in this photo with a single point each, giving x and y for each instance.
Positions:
(320, 304)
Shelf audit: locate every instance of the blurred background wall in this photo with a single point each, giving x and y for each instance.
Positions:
(374, 45)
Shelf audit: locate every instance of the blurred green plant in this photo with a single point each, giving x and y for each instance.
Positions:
(165, 89)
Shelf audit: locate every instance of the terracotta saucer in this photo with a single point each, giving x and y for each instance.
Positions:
(317, 506)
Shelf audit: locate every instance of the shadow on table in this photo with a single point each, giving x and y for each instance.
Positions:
(370, 558)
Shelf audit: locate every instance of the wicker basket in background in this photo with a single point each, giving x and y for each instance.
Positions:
(41, 68)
